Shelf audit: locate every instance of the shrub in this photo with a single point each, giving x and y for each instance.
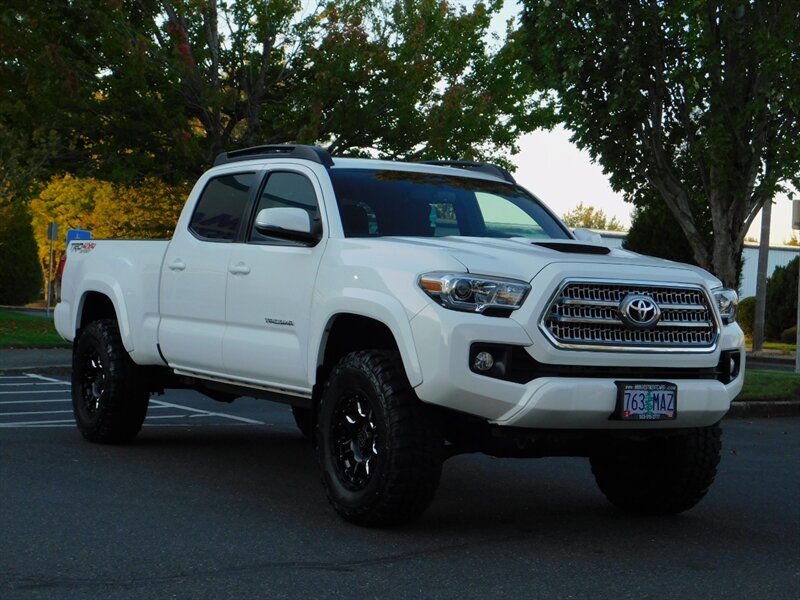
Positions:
(789, 336)
(20, 273)
(747, 313)
(781, 310)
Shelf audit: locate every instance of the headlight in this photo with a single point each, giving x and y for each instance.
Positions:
(727, 301)
(474, 293)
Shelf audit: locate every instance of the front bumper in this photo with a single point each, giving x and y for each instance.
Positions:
(443, 339)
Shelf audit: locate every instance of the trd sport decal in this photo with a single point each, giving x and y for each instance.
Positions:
(83, 247)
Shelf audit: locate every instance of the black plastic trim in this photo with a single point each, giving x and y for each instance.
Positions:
(481, 167)
(311, 153)
(573, 248)
(513, 363)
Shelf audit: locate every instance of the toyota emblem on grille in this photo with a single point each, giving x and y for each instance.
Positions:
(638, 311)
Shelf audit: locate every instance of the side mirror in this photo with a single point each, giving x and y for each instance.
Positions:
(286, 223)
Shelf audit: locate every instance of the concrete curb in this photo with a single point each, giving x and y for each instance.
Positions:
(769, 360)
(763, 409)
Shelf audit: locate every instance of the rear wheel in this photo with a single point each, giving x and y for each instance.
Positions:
(379, 453)
(664, 475)
(108, 400)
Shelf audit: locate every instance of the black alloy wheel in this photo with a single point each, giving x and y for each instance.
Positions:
(109, 395)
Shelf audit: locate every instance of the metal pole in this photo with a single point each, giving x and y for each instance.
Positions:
(50, 280)
(761, 279)
(797, 339)
(796, 227)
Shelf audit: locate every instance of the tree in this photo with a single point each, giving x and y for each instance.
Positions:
(691, 104)
(20, 276)
(782, 300)
(654, 231)
(146, 211)
(792, 241)
(130, 89)
(591, 218)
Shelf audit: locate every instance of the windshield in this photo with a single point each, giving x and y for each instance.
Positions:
(376, 203)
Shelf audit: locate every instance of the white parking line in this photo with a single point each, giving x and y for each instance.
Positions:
(35, 412)
(30, 384)
(166, 417)
(50, 379)
(208, 413)
(4, 402)
(16, 392)
(41, 381)
(20, 423)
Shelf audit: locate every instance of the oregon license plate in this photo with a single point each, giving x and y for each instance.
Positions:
(646, 401)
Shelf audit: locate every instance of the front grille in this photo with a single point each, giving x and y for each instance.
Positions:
(585, 315)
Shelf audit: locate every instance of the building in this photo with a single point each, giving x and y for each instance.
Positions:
(778, 257)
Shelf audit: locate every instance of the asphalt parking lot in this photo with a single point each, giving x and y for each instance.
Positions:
(224, 501)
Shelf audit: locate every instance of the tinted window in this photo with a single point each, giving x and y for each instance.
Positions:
(221, 207)
(290, 190)
(375, 203)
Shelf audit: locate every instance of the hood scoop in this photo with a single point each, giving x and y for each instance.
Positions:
(573, 247)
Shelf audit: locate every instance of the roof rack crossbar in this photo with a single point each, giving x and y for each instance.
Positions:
(481, 167)
(312, 153)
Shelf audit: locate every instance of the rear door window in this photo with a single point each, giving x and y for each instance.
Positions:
(221, 207)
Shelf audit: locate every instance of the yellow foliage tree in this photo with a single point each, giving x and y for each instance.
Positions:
(591, 218)
(147, 211)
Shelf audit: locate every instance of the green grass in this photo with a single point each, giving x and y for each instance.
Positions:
(19, 330)
(775, 346)
(770, 385)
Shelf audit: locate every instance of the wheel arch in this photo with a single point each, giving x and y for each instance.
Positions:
(347, 332)
(101, 303)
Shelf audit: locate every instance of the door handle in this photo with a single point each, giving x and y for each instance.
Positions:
(177, 265)
(239, 269)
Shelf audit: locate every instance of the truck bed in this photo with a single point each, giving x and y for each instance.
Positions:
(127, 272)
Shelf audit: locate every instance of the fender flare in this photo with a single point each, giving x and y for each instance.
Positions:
(113, 291)
(374, 305)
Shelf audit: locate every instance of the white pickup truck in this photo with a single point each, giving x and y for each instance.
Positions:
(409, 312)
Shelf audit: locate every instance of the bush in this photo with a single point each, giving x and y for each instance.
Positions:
(747, 314)
(789, 336)
(655, 231)
(781, 310)
(20, 273)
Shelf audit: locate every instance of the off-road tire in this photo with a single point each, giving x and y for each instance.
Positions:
(664, 475)
(302, 418)
(109, 401)
(401, 453)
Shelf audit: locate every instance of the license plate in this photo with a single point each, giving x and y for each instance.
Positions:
(646, 401)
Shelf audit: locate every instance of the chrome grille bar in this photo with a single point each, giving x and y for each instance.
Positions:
(584, 315)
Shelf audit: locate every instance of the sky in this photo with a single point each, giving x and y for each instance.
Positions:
(561, 175)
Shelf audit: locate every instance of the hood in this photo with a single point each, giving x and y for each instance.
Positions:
(523, 258)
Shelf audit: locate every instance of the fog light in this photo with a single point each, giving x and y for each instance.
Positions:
(483, 361)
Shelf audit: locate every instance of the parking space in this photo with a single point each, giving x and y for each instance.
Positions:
(224, 501)
(37, 401)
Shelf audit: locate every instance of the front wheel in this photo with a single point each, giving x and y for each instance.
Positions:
(664, 475)
(379, 453)
(108, 400)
